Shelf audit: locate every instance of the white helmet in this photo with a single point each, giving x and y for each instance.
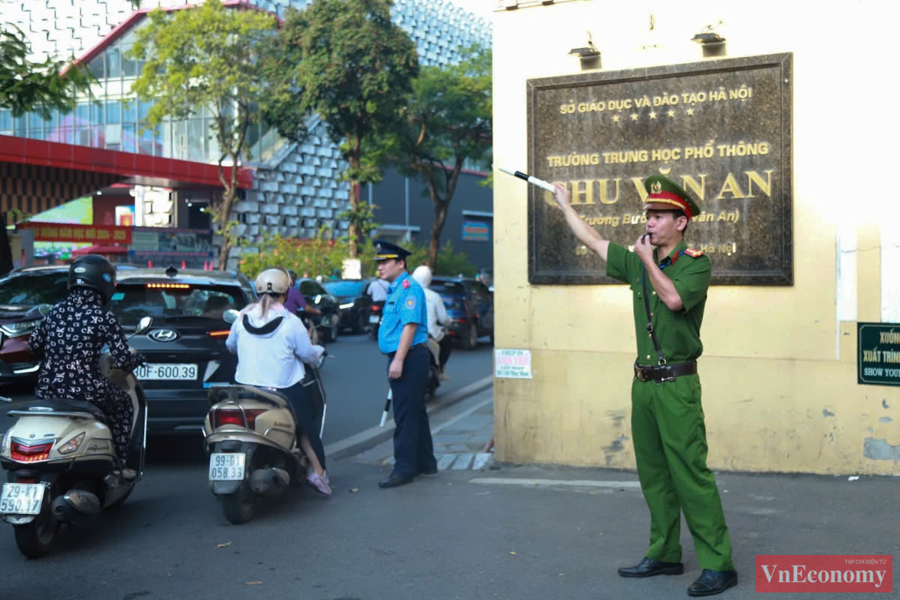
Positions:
(422, 275)
(273, 281)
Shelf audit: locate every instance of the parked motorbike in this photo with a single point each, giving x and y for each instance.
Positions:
(375, 318)
(318, 326)
(250, 437)
(434, 367)
(61, 462)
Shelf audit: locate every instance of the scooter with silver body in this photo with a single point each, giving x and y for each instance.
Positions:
(61, 462)
(250, 436)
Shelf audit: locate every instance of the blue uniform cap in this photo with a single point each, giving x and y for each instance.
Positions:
(385, 250)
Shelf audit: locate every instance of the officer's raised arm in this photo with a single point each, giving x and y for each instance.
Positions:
(584, 232)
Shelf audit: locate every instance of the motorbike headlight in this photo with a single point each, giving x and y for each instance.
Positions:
(347, 305)
(20, 328)
(72, 445)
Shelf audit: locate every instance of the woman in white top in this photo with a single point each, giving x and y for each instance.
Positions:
(437, 316)
(272, 344)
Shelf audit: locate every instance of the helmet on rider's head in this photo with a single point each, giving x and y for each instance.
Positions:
(273, 281)
(422, 275)
(93, 272)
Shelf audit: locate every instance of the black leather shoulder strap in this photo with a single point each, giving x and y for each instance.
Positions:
(650, 329)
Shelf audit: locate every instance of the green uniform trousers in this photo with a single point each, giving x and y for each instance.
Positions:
(670, 447)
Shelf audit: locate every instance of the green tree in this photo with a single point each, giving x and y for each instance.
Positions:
(29, 86)
(207, 57)
(448, 121)
(41, 87)
(347, 62)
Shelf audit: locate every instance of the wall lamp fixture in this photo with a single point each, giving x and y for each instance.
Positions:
(712, 43)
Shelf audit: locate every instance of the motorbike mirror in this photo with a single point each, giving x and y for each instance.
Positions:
(143, 325)
(318, 298)
(44, 309)
(230, 315)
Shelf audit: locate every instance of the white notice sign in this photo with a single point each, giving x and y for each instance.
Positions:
(513, 364)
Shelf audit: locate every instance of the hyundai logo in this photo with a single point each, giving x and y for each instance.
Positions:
(164, 335)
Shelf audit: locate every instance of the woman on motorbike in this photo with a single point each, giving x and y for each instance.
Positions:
(71, 338)
(272, 344)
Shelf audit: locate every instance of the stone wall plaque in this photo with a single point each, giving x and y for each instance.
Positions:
(721, 128)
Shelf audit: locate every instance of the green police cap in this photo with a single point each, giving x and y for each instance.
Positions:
(662, 190)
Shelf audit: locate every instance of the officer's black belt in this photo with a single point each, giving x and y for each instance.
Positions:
(411, 348)
(660, 373)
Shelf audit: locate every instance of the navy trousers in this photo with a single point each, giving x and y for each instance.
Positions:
(413, 448)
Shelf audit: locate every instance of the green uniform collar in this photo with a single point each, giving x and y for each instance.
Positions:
(673, 255)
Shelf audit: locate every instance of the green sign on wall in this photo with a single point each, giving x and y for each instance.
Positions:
(878, 362)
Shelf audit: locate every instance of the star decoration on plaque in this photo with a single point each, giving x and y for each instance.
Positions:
(615, 118)
(634, 116)
(671, 114)
(652, 114)
(690, 111)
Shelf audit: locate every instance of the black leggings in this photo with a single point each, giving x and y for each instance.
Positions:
(446, 345)
(305, 415)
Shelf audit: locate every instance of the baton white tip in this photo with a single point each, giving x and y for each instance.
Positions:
(507, 171)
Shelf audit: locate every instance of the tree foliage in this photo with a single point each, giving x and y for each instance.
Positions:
(448, 120)
(347, 62)
(207, 57)
(41, 87)
(323, 256)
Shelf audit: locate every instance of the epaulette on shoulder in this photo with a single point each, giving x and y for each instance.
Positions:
(693, 253)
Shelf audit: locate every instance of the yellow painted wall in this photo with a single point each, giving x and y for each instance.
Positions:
(779, 377)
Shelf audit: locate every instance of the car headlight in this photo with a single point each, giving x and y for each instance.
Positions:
(20, 328)
(347, 305)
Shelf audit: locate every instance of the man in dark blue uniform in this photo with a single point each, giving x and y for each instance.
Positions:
(402, 336)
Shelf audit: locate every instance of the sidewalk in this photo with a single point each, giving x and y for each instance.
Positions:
(561, 532)
(460, 434)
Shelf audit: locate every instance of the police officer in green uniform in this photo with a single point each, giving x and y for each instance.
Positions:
(402, 336)
(669, 282)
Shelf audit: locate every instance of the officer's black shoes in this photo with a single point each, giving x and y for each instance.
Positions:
(395, 480)
(713, 582)
(429, 471)
(649, 567)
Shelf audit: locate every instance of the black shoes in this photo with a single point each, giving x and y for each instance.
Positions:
(649, 567)
(711, 583)
(395, 480)
(429, 471)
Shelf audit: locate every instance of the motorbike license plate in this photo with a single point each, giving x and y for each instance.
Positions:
(166, 371)
(21, 498)
(226, 467)
(374, 318)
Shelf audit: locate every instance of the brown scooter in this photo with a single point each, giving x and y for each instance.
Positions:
(250, 435)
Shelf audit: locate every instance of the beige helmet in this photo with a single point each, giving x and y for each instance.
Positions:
(273, 281)
(422, 275)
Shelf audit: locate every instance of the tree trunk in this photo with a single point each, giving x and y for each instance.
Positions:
(441, 207)
(437, 227)
(223, 210)
(353, 158)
